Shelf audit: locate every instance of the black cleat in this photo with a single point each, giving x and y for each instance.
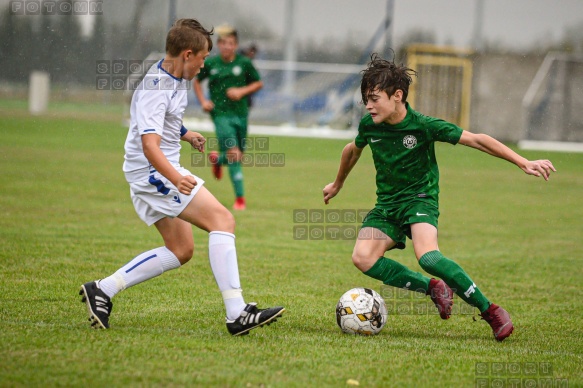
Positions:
(98, 304)
(252, 317)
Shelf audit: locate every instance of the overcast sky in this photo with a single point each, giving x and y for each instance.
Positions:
(512, 23)
(515, 23)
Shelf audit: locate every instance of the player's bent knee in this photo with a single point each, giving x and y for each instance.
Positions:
(234, 154)
(184, 254)
(229, 222)
(362, 262)
(223, 221)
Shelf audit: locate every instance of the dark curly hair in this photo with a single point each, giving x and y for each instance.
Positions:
(386, 76)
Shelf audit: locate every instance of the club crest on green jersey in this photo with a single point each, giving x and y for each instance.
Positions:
(237, 70)
(409, 141)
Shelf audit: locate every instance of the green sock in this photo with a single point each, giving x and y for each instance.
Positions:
(223, 158)
(236, 174)
(454, 276)
(396, 274)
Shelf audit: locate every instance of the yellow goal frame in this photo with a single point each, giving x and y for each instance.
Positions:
(457, 98)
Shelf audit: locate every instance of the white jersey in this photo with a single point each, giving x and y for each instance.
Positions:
(157, 106)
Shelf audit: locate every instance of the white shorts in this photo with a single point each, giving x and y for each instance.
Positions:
(155, 197)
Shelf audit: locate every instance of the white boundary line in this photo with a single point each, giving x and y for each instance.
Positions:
(282, 130)
(550, 146)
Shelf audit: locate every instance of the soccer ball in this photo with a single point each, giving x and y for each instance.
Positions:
(361, 311)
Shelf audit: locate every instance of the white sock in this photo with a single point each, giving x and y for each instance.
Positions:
(223, 258)
(145, 266)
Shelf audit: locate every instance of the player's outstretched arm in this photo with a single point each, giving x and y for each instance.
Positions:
(195, 139)
(152, 151)
(493, 147)
(350, 155)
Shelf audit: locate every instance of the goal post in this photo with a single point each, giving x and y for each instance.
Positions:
(553, 105)
(444, 86)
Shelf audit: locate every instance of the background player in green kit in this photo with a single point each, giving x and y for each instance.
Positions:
(232, 77)
(402, 144)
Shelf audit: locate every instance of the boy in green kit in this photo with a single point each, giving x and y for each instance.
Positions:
(232, 78)
(407, 178)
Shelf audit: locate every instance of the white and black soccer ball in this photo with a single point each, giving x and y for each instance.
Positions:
(361, 311)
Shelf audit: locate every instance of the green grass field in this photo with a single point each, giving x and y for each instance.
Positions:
(67, 218)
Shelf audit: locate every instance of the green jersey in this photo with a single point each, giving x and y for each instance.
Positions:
(404, 155)
(224, 75)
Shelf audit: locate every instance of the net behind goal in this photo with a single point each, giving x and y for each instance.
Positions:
(553, 105)
(299, 94)
(304, 94)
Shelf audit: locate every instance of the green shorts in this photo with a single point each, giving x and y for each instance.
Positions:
(396, 221)
(231, 132)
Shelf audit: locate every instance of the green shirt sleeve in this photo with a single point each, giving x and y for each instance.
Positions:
(360, 139)
(251, 73)
(441, 130)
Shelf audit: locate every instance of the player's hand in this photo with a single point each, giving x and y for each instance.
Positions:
(330, 191)
(235, 94)
(207, 105)
(186, 184)
(197, 141)
(539, 168)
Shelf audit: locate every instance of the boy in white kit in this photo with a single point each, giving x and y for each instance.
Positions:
(167, 195)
